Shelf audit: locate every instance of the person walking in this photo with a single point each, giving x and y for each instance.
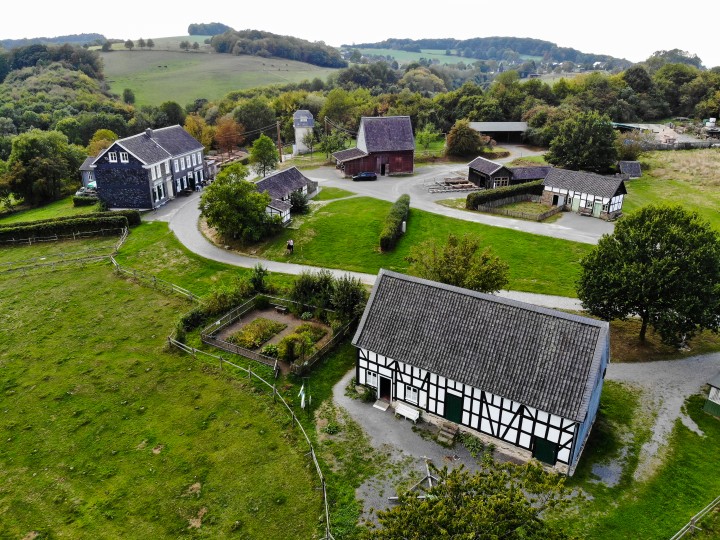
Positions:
(291, 245)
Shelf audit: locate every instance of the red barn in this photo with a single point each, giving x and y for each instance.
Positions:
(385, 145)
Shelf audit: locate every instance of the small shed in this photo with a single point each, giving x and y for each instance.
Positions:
(488, 174)
(712, 405)
(630, 169)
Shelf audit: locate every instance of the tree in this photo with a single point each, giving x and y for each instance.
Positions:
(503, 500)
(185, 45)
(129, 45)
(195, 46)
(662, 264)
(585, 142)
(102, 139)
(128, 96)
(255, 114)
(308, 139)
(299, 202)
(150, 43)
(228, 134)
(333, 141)
(106, 46)
(264, 155)
(632, 144)
(174, 113)
(197, 127)
(427, 136)
(348, 298)
(462, 140)
(459, 262)
(234, 207)
(141, 43)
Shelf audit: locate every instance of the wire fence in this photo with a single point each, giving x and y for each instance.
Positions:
(154, 282)
(691, 527)
(276, 396)
(58, 237)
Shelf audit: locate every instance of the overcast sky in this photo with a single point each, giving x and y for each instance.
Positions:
(631, 29)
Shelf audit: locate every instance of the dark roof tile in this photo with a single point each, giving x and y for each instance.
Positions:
(530, 173)
(281, 183)
(585, 182)
(386, 133)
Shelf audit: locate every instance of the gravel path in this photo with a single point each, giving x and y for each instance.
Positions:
(666, 385)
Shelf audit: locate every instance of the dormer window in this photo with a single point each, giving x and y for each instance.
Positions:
(112, 157)
(124, 157)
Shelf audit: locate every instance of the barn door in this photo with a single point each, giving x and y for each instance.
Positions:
(545, 451)
(597, 208)
(576, 203)
(453, 408)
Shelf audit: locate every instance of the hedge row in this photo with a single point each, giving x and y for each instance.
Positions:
(83, 200)
(479, 198)
(45, 229)
(132, 216)
(393, 223)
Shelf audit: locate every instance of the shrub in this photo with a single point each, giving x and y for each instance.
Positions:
(306, 315)
(479, 198)
(82, 200)
(193, 318)
(393, 223)
(225, 297)
(132, 216)
(295, 346)
(257, 278)
(256, 333)
(348, 298)
(270, 350)
(313, 289)
(299, 202)
(61, 227)
(315, 332)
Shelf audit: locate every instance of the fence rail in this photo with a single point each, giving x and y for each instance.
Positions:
(276, 396)
(299, 369)
(691, 527)
(493, 207)
(58, 237)
(155, 282)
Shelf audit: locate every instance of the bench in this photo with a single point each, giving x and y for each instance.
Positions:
(408, 412)
(280, 309)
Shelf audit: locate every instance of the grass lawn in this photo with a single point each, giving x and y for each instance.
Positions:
(157, 76)
(659, 507)
(407, 57)
(61, 208)
(686, 177)
(345, 234)
(106, 435)
(331, 193)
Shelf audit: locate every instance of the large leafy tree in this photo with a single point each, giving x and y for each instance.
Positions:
(255, 114)
(463, 141)
(502, 500)
(41, 165)
(196, 126)
(585, 142)
(263, 155)
(235, 208)
(459, 262)
(228, 134)
(661, 264)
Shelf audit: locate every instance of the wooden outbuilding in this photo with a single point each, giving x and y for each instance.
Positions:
(585, 193)
(712, 405)
(523, 377)
(385, 145)
(280, 185)
(489, 174)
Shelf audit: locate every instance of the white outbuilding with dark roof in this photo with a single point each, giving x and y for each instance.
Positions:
(528, 377)
(585, 193)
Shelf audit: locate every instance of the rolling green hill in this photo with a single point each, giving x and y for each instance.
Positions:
(167, 73)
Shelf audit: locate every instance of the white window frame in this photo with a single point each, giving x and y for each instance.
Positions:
(412, 394)
(371, 379)
(158, 171)
(194, 159)
(167, 167)
(124, 158)
(152, 173)
(112, 157)
(177, 165)
(182, 162)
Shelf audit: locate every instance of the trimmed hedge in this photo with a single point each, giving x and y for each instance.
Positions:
(132, 216)
(479, 198)
(65, 227)
(393, 223)
(80, 200)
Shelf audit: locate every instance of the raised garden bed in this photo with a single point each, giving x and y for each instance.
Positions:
(257, 332)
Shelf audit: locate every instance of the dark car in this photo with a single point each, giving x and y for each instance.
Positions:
(367, 175)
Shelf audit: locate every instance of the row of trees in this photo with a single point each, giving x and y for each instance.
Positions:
(130, 44)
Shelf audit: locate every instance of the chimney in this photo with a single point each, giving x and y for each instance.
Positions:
(149, 133)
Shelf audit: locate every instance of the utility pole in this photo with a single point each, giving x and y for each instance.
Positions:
(327, 154)
(279, 142)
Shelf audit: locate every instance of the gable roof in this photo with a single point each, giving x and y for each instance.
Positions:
(530, 173)
(485, 166)
(539, 357)
(631, 168)
(585, 182)
(387, 133)
(715, 381)
(86, 164)
(349, 154)
(155, 145)
(303, 118)
(281, 183)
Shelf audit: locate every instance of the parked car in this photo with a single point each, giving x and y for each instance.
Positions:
(367, 175)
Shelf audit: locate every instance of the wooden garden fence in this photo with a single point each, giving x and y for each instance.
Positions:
(494, 208)
(276, 396)
(691, 527)
(155, 282)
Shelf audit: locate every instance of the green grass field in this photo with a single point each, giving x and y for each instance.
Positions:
(106, 435)
(157, 75)
(407, 57)
(331, 193)
(63, 207)
(345, 234)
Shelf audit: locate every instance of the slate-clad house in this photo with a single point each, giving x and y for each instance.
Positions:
(712, 405)
(280, 185)
(147, 170)
(87, 174)
(489, 174)
(528, 377)
(385, 145)
(585, 193)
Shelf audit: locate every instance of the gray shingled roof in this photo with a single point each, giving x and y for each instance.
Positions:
(485, 166)
(280, 205)
(530, 173)
(281, 183)
(176, 140)
(585, 182)
(715, 381)
(349, 154)
(535, 356)
(303, 118)
(155, 145)
(511, 127)
(387, 133)
(86, 165)
(631, 168)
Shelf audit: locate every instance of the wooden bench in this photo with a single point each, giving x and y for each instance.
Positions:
(408, 412)
(280, 309)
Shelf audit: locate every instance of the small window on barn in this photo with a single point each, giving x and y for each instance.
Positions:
(124, 157)
(411, 394)
(112, 157)
(371, 378)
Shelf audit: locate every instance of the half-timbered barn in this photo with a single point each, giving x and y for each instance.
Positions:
(385, 145)
(585, 193)
(712, 405)
(526, 377)
(147, 170)
(280, 185)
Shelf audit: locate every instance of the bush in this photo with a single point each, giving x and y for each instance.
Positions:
(256, 333)
(306, 315)
(132, 216)
(82, 200)
(46, 228)
(393, 223)
(314, 332)
(299, 202)
(349, 298)
(270, 350)
(225, 297)
(295, 346)
(479, 198)
(193, 318)
(313, 289)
